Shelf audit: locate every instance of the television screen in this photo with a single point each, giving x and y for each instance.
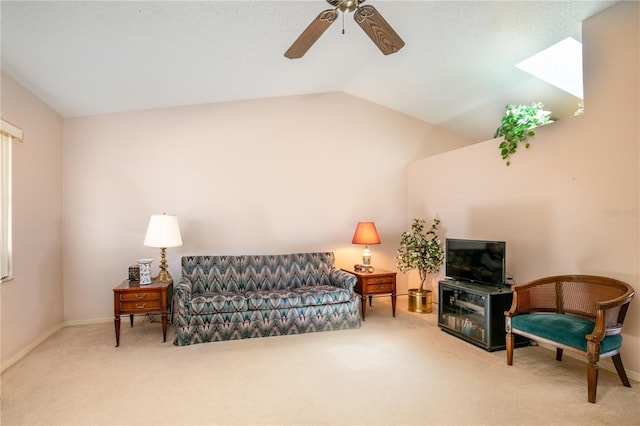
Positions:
(476, 261)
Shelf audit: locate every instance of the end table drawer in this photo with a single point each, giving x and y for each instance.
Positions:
(386, 287)
(140, 296)
(379, 280)
(140, 305)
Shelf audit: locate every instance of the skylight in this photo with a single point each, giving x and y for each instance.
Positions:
(560, 65)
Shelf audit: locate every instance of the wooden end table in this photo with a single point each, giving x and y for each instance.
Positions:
(374, 283)
(132, 298)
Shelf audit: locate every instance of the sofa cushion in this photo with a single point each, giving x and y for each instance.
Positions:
(566, 329)
(322, 295)
(272, 299)
(213, 274)
(297, 297)
(209, 303)
(286, 271)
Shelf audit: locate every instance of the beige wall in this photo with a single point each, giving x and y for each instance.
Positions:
(570, 204)
(265, 176)
(31, 303)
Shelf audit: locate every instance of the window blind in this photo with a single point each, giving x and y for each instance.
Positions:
(8, 133)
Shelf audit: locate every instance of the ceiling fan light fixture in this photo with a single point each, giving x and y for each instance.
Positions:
(348, 5)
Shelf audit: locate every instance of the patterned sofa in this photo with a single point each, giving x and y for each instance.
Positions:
(239, 297)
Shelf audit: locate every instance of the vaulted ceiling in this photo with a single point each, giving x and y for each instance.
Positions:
(456, 69)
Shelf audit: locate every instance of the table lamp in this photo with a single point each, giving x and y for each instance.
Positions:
(366, 234)
(163, 232)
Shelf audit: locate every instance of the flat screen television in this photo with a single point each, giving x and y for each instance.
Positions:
(476, 261)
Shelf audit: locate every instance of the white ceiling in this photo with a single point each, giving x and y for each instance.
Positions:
(456, 70)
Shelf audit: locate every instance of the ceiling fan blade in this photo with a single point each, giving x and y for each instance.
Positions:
(311, 34)
(378, 30)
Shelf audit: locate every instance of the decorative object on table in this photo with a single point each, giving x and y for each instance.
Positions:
(134, 272)
(422, 251)
(366, 233)
(163, 232)
(369, 19)
(145, 271)
(517, 125)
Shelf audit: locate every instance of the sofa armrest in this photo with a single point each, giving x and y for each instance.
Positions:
(182, 294)
(342, 279)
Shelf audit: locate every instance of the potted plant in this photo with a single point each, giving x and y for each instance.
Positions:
(517, 125)
(421, 250)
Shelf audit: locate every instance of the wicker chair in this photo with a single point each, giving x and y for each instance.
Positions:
(580, 313)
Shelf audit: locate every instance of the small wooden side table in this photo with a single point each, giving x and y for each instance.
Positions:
(374, 283)
(131, 298)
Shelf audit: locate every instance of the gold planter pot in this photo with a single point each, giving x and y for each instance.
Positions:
(419, 301)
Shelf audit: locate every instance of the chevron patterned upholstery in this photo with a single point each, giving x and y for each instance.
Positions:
(239, 297)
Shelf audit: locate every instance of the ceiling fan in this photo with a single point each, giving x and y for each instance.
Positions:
(380, 32)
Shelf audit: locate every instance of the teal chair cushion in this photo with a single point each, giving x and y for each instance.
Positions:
(568, 330)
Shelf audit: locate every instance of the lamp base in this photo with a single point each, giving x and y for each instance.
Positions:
(366, 256)
(164, 277)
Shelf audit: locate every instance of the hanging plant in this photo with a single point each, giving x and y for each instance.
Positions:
(420, 250)
(517, 126)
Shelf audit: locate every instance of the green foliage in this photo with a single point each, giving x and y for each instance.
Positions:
(420, 250)
(516, 127)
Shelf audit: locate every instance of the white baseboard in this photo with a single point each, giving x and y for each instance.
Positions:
(45, 336)
(87, 322)
(29, 348)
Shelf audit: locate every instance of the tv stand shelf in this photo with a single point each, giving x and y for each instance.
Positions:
(475, 313)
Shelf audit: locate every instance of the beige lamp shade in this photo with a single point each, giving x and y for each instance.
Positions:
(163, 232)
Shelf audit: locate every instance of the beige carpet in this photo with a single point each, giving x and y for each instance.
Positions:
(390, 371)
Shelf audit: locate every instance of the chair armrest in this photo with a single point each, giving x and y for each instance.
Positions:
(513, 310)
(342, 279)
(615, 302)
(534, 296)
(610, 316)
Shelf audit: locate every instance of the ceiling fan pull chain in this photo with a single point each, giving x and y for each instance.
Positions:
(343, 23)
